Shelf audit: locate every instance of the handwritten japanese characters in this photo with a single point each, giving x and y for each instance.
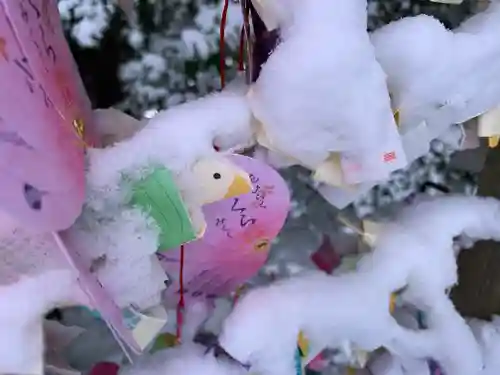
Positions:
(240, 206)
(46, 61)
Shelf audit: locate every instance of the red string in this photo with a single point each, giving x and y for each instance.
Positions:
(235, 298)
(222, 52)
(241, 55)
(180, 304)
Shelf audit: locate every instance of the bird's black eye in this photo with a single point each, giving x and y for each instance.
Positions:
(217, 176)
(33, 197)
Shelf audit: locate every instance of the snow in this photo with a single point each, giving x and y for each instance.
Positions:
(92, 18)
(156, 79)
(208, 17)
(255, 332)
(162, 140)
(486, 333)
(140, 75)
(195, 43)
(187, 359)
(426, 266)
(204, 38)
(434, 79)
(23, 305)
(154, 65)
(135, 38)
(283, 100)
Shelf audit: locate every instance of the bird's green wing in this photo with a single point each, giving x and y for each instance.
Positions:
(158, 195)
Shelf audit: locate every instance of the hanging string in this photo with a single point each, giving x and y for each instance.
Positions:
(180, 304)
(241, 52)
(222, 45)
(246, 42)
(237, 294)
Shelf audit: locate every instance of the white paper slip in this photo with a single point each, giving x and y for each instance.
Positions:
(454, 137)
(358, 169)
(330, 171)
(266, 14)
(489, 123)
(371, 231)
(471, 138)
(416, 143)
(375, 164)
(145, 326)
(341, 198)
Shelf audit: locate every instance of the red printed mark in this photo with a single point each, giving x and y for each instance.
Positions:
(389, 156)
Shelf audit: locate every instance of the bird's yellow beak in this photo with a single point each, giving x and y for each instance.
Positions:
(241, 185)
(392, 303)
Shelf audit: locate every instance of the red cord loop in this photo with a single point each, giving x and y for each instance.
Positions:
(180, 304)
(222, 45)
(241, 52)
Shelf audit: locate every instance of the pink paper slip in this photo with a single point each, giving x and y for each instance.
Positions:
(98, 297)
(237, 239)
(39, 31)
(41, 155)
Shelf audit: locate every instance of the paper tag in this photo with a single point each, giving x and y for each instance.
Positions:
(145, 327)
(376, 166)
(330, 171)
(266, 14)
(489, 126)
(303, 344)
(489, 123)
(333, 170)
(397, 117)
(158, 195)
(453, 137)
(377, 161)
(416, 143)
(371, 230)
(341, 198)
(301, 353)
(493, 141)
(263, 139)
(348, 264)
(39, 149)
